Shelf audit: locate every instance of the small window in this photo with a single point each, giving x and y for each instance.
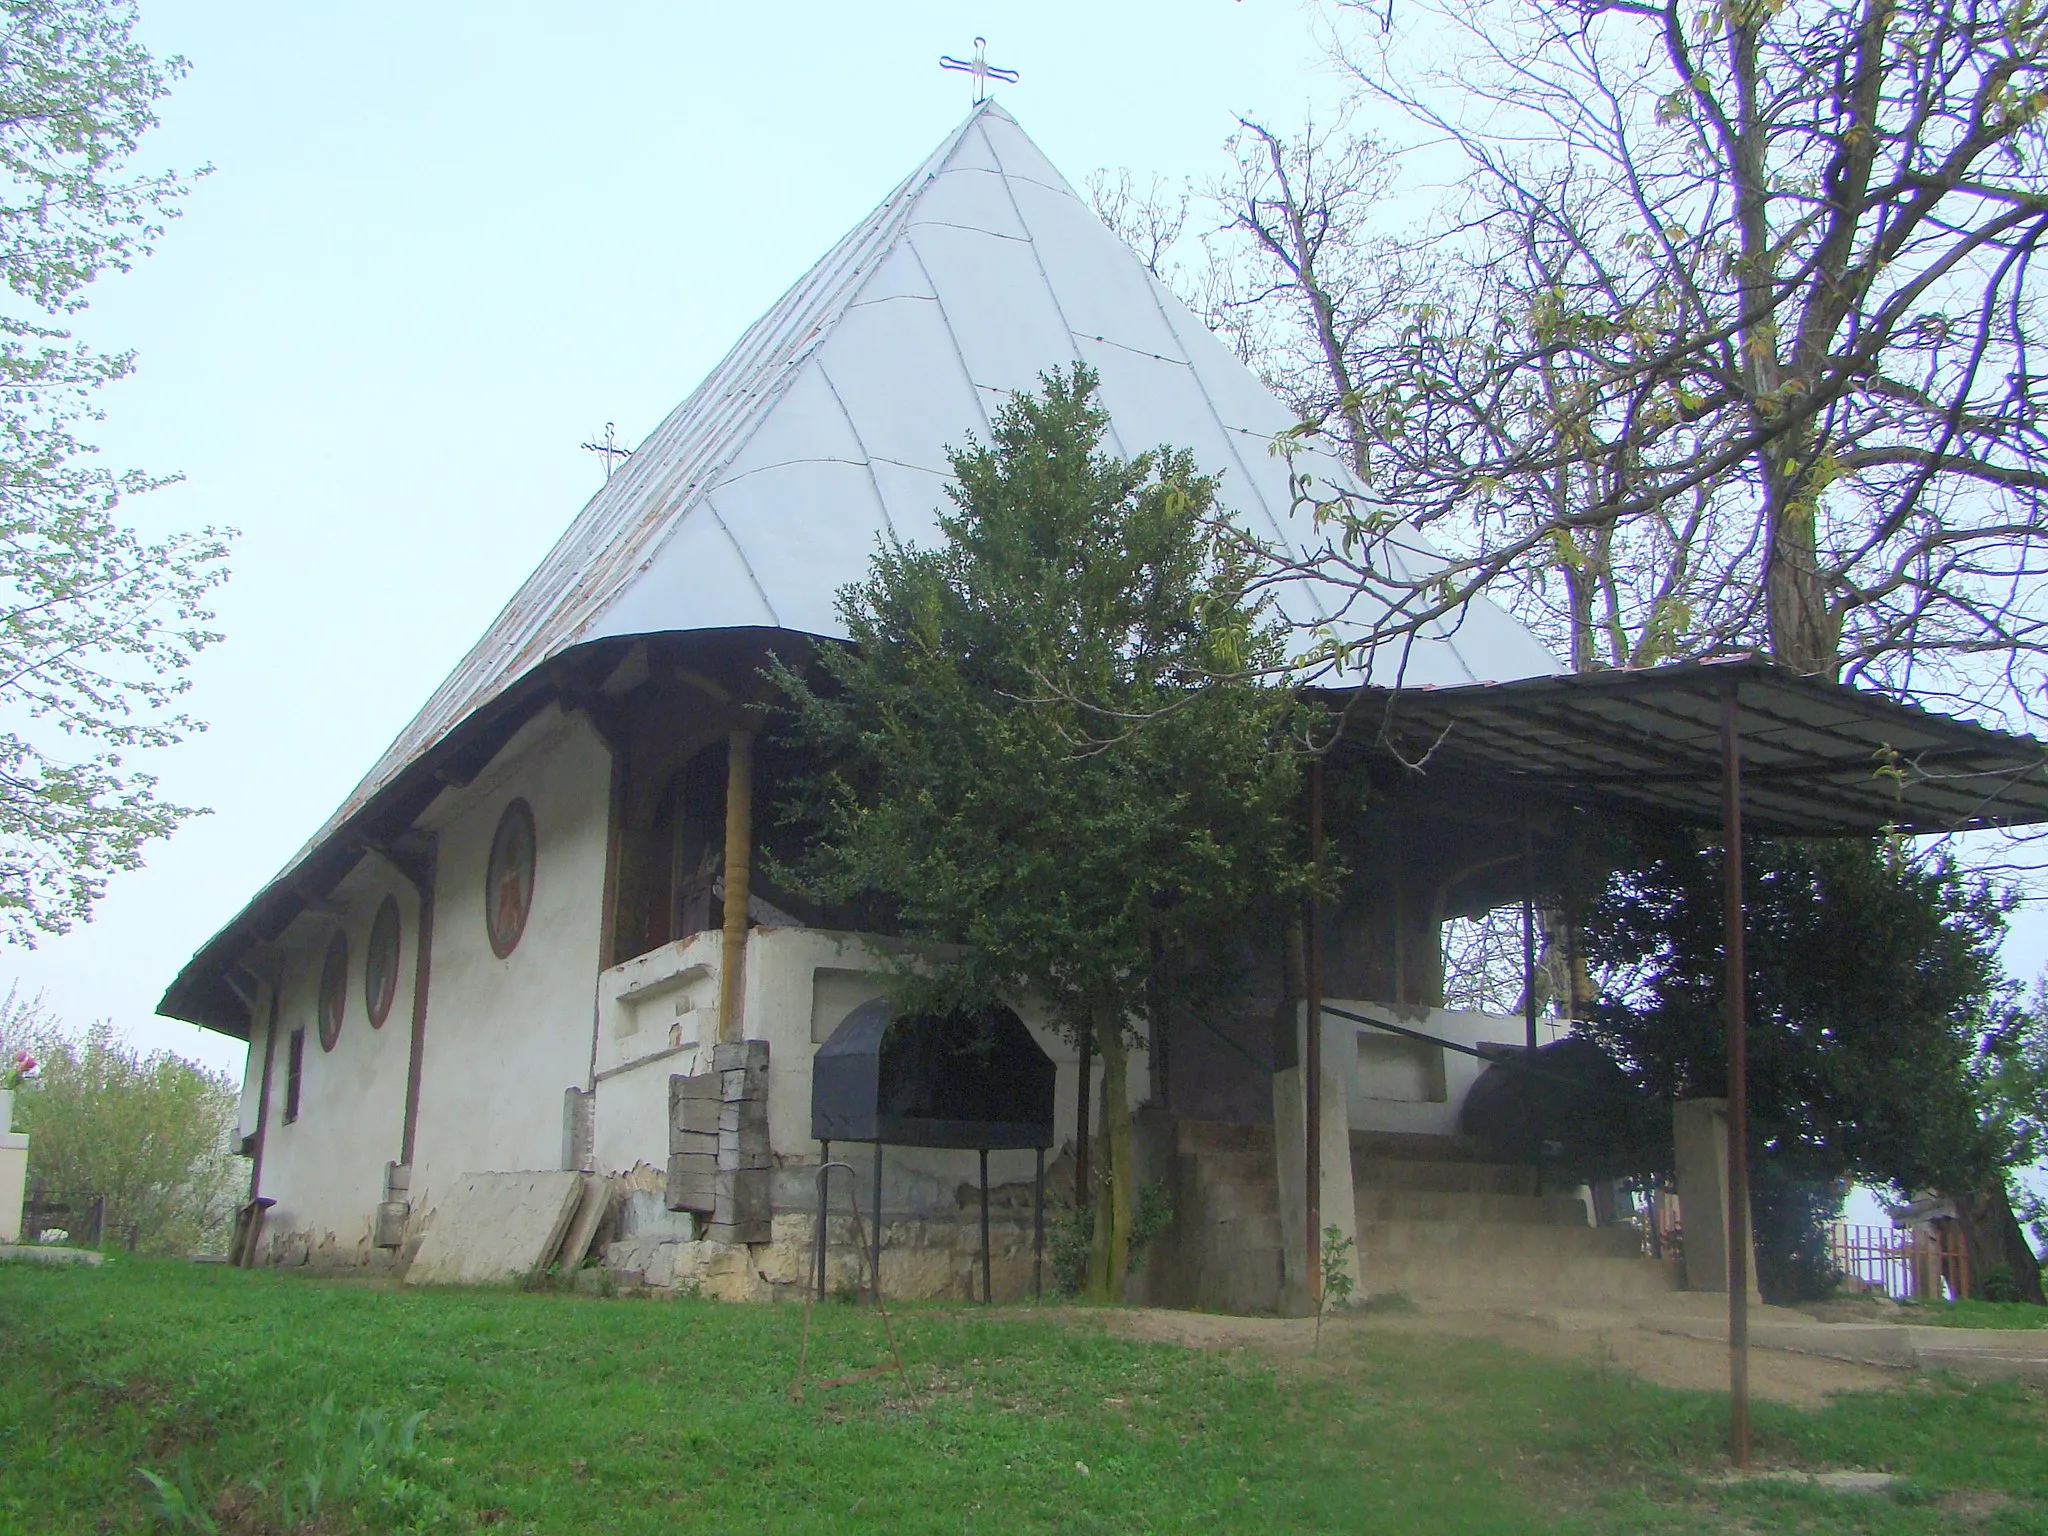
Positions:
(380, 963)
(333, 990)
(294, 1074)
(508, 878)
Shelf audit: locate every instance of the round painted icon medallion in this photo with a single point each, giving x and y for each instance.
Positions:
(333, 989)
(508, 878)
(380, 963)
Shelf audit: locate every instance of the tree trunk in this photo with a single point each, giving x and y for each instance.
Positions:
(1996, 1241)
(1802, 629)
(1109, 1257)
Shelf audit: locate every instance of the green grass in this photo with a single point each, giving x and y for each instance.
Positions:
(1976, 1314)
(552, 1413)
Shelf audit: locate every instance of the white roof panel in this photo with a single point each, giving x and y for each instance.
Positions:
(764, 491)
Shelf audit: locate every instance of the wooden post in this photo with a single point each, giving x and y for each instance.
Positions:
(1312, 1060)
(1083, 1190)
(739, 855)
(1734, 987)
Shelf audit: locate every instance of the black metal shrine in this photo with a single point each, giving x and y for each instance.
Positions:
(965, 1080)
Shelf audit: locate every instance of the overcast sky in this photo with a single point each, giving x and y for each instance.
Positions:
(443, 244)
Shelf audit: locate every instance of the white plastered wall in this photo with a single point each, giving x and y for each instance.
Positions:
(1394, 1085)
(657, 1012)
(506, 1038)
(326, 1168)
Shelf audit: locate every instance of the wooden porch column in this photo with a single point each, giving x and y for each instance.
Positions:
(1734, 986)
(739, 855)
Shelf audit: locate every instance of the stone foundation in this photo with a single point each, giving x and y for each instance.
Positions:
(922, 1260)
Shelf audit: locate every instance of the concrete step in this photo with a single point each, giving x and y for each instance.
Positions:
(1232, 1167)
(1520, 1281)
(1223, 1136)
(1224, 1200)
(1456, 1178)
(1412, 1147)
(1449, 1205)
(1403, 1240)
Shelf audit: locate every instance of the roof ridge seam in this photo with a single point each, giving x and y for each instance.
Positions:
(1053, 293)
(711, 506)
(952, 336)
(853, 430)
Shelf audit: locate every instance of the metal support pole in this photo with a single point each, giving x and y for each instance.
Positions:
(875, 1239)
(1312, 1061)
(1038, 1228)
(1734, 988)
(1528, 935)
(987, 1290)
(825, 1167)
(824, 1162)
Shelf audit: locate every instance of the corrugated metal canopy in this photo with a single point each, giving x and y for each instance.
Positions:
(1819, 758)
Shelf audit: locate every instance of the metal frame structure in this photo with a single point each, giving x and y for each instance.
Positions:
(1723, 745)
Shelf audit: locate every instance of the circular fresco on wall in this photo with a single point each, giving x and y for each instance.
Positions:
(508, 878)
(333, 989)
(380, 963)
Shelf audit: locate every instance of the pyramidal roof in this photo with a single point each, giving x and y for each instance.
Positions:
(828, 424)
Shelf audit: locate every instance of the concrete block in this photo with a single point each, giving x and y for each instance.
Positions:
(13, 1179)
(737, 1156)
(497, 1227)
(391, 1215)
(741, 1056)
(1699, 1128)
(705, 1085)
(742, 1206)
(690, 1186)
(693, 1116)
(685, 1143)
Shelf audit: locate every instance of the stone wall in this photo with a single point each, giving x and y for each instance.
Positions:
(921, 1261)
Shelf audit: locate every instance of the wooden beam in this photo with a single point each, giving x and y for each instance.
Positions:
(739, 855)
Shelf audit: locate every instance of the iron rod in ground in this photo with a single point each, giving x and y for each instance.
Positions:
(1734, 986)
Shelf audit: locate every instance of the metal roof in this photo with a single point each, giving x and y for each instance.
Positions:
(827, 426)
(1818, 758)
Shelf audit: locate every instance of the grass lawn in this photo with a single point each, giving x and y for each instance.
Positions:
(1975, 1314)
(551, 1413)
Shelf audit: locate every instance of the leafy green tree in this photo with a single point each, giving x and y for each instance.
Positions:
(2010, 1076)
(1875, 989)
(150, 1133)
(97, 624)
(1046, 751)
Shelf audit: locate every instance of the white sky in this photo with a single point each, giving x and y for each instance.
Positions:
(443, 245)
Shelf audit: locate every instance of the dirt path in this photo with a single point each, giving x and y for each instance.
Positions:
(1667, 1360)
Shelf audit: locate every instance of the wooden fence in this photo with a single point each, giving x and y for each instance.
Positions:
(1921, 1264)
(1924, 1264)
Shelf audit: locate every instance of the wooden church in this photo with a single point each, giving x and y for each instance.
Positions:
(542, 916)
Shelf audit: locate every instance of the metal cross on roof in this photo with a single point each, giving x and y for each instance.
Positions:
(610, 449)
(980, 68)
